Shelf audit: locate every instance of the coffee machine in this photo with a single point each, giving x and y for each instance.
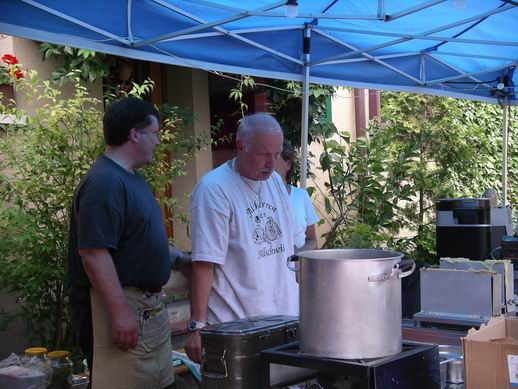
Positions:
(471, 228)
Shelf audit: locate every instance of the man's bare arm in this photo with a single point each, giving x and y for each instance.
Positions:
(311, 242)
(201, 285)
(99, 267)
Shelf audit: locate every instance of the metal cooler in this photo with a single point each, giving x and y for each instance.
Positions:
(231, 350)
(466, 293)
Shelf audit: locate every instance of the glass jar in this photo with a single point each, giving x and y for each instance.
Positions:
(62, 368)
(34, 355)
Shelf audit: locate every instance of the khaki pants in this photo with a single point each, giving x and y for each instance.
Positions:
(147, 366)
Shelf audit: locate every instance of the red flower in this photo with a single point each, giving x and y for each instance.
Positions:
(10, 59)
(12, 70)
(17, 73)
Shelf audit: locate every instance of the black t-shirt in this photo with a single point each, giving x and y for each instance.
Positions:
(115, 209)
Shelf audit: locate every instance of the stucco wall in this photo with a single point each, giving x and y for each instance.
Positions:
(189, 88)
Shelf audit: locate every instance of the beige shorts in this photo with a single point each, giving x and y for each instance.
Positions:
(149, 365)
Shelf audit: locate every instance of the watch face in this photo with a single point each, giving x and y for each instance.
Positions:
(195, 325)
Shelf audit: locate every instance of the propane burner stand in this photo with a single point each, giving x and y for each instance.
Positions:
(416, 366)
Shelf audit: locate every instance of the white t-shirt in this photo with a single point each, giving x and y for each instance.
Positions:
(246, 228)
(305, 214)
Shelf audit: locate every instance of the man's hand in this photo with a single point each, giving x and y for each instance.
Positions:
(179, 259)
(125, 329)
(193, 346)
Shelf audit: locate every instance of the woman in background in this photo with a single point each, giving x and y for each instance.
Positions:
(305, 214)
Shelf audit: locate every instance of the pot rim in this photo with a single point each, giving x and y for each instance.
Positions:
(350, 255)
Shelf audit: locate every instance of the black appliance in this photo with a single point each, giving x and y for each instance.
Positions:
(470, 228)
(416, 366)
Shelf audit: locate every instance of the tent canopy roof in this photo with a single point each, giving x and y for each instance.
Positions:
(458, 48)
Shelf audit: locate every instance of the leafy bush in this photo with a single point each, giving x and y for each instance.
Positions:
(91, 66)
(362, 190)
(42, 159)
(286, 99)
(381, 190)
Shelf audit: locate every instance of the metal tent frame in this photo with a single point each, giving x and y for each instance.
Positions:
(421, 46)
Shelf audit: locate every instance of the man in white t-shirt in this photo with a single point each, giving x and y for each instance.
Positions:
(242, 231)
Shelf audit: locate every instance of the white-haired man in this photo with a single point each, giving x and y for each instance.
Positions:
(242, 231)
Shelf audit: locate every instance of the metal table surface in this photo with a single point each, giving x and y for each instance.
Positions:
(432, 335)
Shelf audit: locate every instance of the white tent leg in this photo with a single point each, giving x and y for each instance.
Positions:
(304, 132)
(305, 112)
(505, 135)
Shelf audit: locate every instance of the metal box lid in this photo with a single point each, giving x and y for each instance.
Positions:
(250, 326)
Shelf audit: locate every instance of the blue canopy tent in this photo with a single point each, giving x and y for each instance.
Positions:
(459, 48)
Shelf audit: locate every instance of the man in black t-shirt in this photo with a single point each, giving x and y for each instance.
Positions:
(119, 258)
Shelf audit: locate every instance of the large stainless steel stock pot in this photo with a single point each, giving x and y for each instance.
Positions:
(350, 302)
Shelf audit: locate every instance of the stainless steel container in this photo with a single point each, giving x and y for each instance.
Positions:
(231, 350)
(350, 302)
(451, 365)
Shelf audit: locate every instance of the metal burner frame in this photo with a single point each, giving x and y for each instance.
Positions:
(417, 365)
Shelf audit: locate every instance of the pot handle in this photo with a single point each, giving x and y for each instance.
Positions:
(404, 264)
(290, 259)
(396, 270)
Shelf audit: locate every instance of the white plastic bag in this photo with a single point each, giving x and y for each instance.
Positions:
(15, 376)
(36, 363)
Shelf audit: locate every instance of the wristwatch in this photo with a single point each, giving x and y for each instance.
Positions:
(195, 325)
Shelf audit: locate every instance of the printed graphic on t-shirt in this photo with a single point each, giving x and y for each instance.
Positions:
(266, 229)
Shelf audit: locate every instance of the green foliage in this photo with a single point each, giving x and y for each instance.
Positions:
(172, 156)
(286, 103)
(381, 190)
(286, 99)
(139, 90)
(458, 145)
(360, 236)
(236, 94)
(362, 191)
(42, 161)
(43, 157)
(92, 66)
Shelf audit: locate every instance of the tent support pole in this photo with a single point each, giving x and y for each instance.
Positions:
(505, 135)
(305, 110)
